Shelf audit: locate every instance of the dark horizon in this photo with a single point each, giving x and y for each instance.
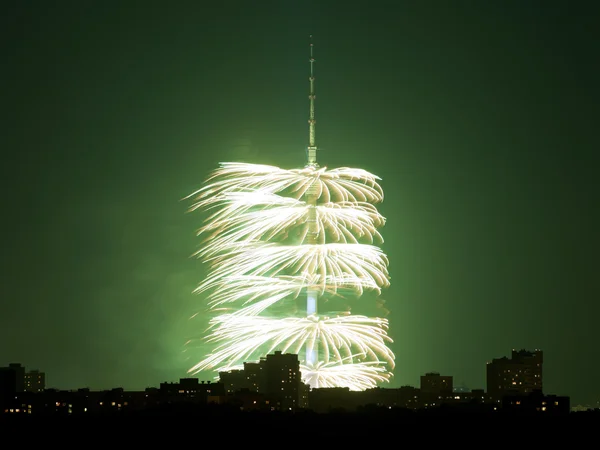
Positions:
(478, 117)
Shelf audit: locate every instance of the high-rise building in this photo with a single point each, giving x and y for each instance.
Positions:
(19, 375)
(519, 374)
(233, 381)
(277, 376)
(255, 375)
(8, 384)
(282, 379)
(434, 383)
(32, 381)
(35, 381)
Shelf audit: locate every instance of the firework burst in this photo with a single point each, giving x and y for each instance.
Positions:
(268, 243)
(288, 252)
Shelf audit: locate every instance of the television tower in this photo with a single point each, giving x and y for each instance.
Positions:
(311, 196)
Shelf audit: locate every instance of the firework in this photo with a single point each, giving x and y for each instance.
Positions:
(342, 184)
(261, 261)
(289, 252)
(343, 338)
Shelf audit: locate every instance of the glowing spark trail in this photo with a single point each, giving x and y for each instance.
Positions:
(285, 249)
(248, 337)
(343, 184)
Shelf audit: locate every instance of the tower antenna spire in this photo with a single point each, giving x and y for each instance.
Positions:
(312, 195)
(311, 151)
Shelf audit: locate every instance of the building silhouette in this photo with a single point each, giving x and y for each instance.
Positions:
(250, 378)
(535, 402)
(22, 381)
(234, 381)
(8, 384)
(519, 374)
(282, 379)
(273, 384)
(436, 384)
(19, 372)
(35, 381)
(192, 387)
(277, 376)
(255, 375)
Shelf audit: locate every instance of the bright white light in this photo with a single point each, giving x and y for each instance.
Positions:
(242, 338)
(342, 184)
(355, 376)
(265, 246)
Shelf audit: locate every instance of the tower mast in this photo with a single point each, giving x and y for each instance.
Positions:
(311, 196)
(311, 151)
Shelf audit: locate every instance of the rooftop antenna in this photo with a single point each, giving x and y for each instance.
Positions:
(311, 151)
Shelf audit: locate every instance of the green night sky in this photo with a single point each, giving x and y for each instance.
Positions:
(480, 118)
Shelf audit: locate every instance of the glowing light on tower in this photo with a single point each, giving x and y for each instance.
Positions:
(289, 253)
